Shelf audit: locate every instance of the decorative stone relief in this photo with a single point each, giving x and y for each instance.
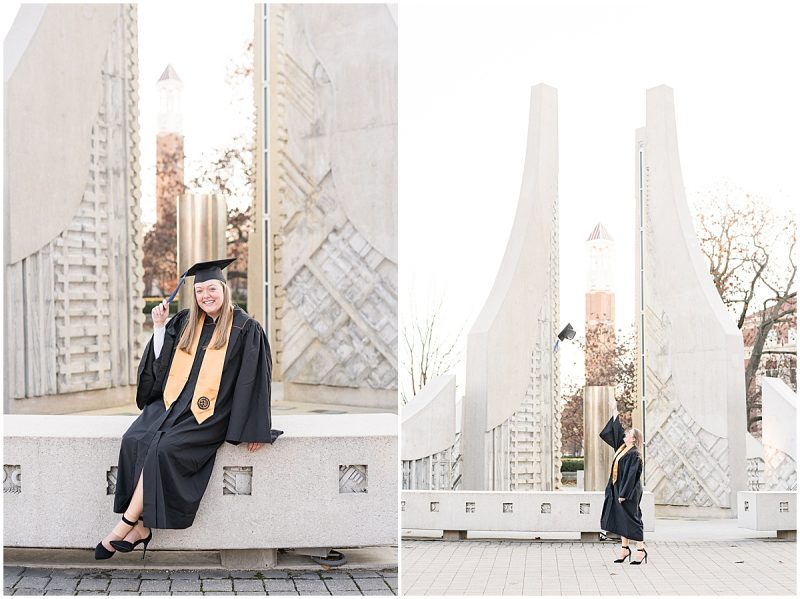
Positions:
(352, 479)
(237, 480)
(584, 508)
(84, 302)
(12, 479)
(783, 470)
(755, 474)
(439, 472)
(335, 301)
(686, 464)
(470, 507)
(111, 480)
(434, 506)
(508, 508)
(402, 506)
(522, 444)
(783, 507)
(546, 508)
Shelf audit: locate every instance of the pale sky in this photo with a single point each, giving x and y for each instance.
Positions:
(465, 79)
(200, 43)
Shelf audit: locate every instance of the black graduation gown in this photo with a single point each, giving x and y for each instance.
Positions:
(624, 519)
(174, 452)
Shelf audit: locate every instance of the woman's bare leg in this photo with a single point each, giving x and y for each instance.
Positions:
(135, 509)
(639, 553)
(624, 552)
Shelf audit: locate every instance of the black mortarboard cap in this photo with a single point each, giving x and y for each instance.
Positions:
(567, 333)
(202, 272)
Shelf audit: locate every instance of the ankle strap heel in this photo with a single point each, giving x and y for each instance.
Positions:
(644, 558)
(622, 559)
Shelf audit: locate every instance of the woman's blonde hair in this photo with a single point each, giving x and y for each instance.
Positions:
(225, 316)
(638, 440)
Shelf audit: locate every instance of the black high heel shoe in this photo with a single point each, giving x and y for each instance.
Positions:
(635, 563)
(100, 552)
(126, 546)
(616, 561)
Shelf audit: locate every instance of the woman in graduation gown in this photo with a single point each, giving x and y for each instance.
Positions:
(204, 379)
(621, 512)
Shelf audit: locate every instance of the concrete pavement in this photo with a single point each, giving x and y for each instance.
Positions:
(685, 558)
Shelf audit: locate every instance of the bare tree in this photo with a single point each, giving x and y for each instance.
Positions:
(572, 421)
(160, 241)
(230, 170)
(429, 351)
(749, 248)
(610, 360)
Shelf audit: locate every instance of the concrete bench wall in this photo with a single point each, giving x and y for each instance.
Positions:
(769, 510)
(562, 511)
(329, 481)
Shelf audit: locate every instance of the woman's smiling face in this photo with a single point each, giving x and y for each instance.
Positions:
(209, 296)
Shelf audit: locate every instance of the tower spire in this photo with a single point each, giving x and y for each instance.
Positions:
(170, 91)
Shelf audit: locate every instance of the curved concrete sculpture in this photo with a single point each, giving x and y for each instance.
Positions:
(779, 434)
(73, 233)
(430, 453)
(57, 61)
(691, 368)
(511, 429)
(429, 421)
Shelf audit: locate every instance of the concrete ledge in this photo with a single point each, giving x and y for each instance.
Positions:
(306, 490)
(769, 510)
(457, 512)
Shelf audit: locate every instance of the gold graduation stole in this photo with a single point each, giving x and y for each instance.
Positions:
(207, 388)
(620, 452)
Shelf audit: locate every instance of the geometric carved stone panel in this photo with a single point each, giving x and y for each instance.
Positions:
(111, 481)
(12, 479)
(351, 310)
(237, 480)
(688, 465)
(780, 470)
(520, 445)
(335, 287)
(353, 479)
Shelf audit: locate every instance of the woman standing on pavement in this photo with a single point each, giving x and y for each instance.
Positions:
(204, 379)
(621, 511)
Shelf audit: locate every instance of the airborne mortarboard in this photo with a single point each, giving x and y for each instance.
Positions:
(566, 333)
(202, 272)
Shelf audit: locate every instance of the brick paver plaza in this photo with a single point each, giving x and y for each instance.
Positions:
(715, 566)
(79, 581)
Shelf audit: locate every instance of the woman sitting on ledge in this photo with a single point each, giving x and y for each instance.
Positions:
(204, 379)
